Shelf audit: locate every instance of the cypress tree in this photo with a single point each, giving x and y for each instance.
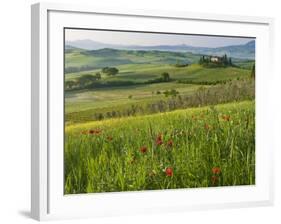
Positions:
(253, 73)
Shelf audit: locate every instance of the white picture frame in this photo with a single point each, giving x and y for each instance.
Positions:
(47, 198)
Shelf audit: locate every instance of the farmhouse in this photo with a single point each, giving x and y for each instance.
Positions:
(215, 59)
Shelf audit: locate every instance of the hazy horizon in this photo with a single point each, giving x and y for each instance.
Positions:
(152, 39)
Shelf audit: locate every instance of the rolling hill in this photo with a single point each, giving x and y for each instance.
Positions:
(96, 59)
(245, 51)
(77, 59)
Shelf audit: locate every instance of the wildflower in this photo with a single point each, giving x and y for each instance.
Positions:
(216, 170)
(159, 140)
(98, 131)
(226, 117)
(159, 137)
(170, 143)
(95, 132)
(143, 149)
(169, 171)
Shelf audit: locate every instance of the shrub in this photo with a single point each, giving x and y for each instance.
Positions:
(110, 71)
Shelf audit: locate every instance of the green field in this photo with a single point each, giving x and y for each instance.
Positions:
(105, 156)
(133, 131)
(82, 100)
(102, 97)
(101, 58)
(143, 72)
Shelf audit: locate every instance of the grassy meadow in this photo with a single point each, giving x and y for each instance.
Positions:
(141, 129)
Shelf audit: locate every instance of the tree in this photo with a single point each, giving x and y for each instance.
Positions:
(70, 84)
(201, 61)
(98, 76)
(165, 77)
(110, 71)
(86, 80)
(253, 73)
(224, 59)
(171, 92)
(174, 92)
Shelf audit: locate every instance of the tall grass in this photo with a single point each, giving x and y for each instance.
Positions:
(126, 155)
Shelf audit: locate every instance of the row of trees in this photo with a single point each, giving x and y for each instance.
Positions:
(172, 93)
(164, 77)
(93, 80)
(82, 81)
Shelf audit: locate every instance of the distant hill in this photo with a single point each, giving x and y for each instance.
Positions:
(69, 47)
(95, 59)
(245, 51)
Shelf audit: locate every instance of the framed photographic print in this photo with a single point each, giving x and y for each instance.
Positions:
(148, 111)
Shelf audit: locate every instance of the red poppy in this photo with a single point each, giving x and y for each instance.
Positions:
(216, 170)
(226, 117)
(159, 140)
(214, 179)
(159, 137)
(169, 171)
(143, 149)
(170, 143)
(109, 138)
(95, 132)
(98, 131)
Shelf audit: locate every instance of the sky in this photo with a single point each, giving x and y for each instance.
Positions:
(152, 39)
